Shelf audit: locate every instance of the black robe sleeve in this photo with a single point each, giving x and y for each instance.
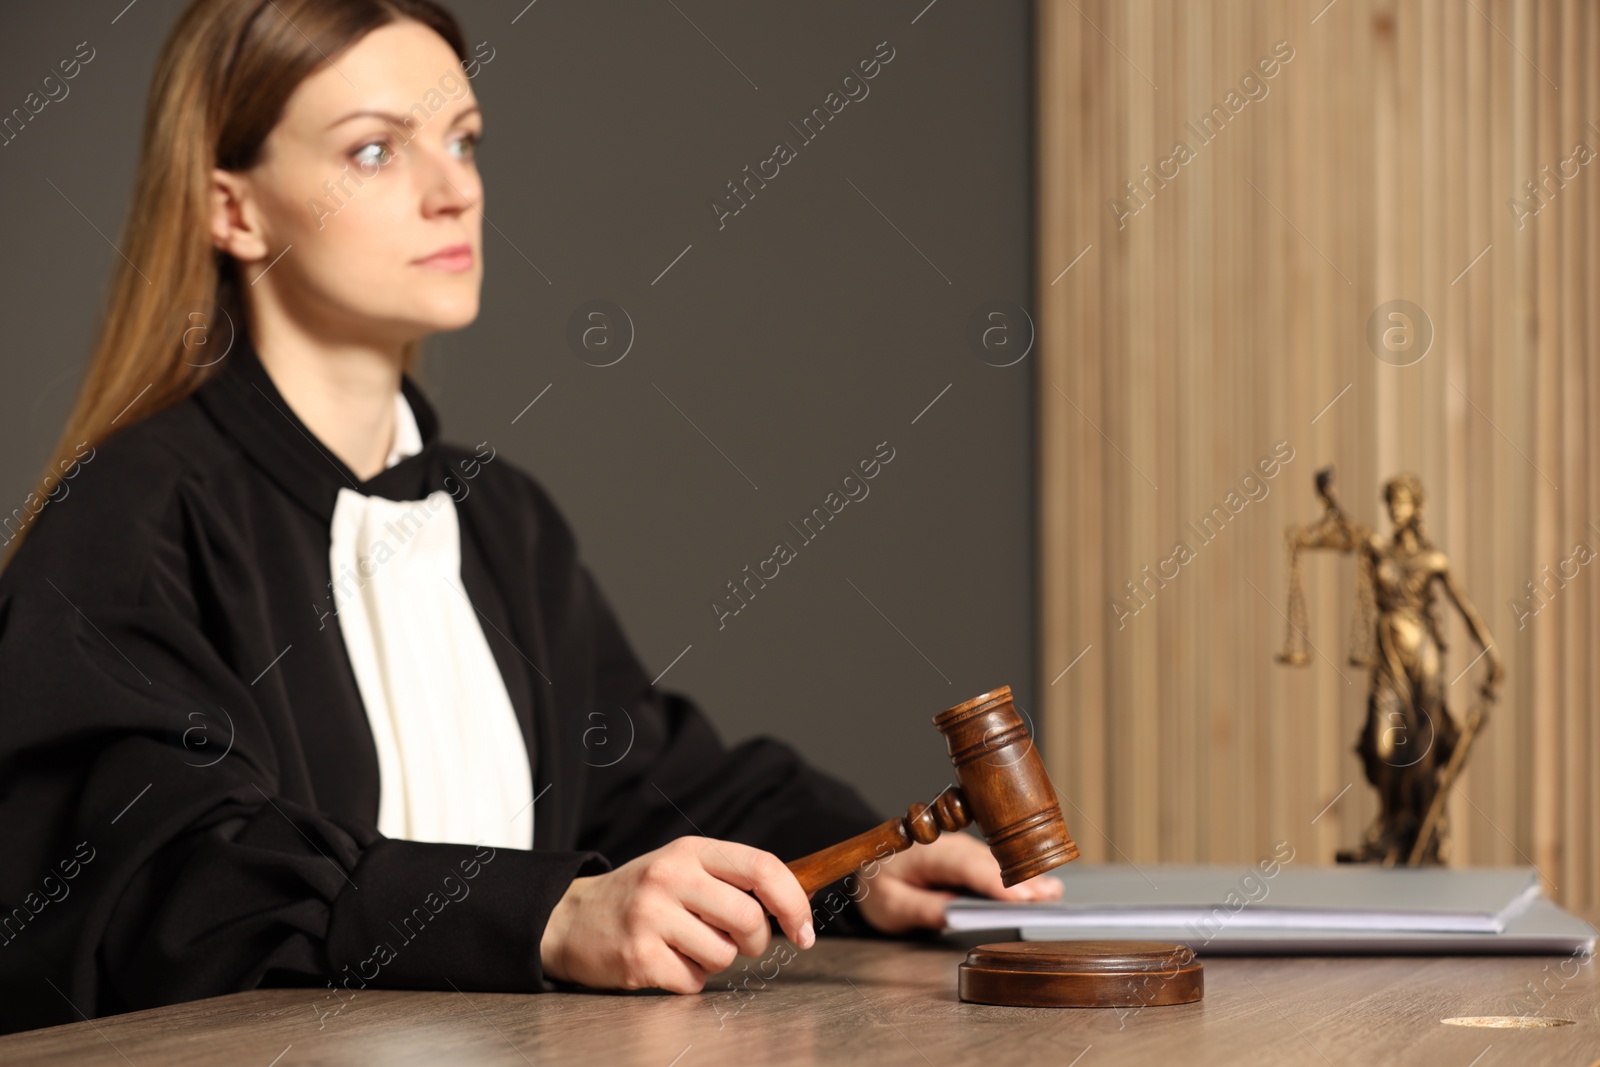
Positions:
(680, 779)
(677, 777)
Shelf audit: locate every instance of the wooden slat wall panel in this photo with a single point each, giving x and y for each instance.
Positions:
(1230, 310)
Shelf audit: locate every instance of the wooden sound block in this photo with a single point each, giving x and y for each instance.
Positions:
(1081, 974)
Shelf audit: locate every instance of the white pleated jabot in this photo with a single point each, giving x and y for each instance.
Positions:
(451, 759)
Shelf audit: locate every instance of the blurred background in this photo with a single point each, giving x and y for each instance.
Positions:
(1345, 161)
(1089, 270)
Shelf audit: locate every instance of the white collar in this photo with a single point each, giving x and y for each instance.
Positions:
(407, 437)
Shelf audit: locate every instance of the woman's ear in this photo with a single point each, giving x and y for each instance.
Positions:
(235, 224)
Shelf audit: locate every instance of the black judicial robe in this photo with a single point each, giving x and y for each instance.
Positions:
(188, 782)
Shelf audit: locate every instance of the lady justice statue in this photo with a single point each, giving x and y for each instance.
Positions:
(1411, 748)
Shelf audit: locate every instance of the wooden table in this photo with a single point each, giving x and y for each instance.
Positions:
(886, 1004)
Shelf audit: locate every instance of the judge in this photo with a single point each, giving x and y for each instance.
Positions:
(297, 692)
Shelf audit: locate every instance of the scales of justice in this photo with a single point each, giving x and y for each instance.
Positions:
(1411, 748)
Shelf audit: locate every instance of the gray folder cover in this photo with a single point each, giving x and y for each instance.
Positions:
(1304, 910)
(1543, 929)
(1349, 897)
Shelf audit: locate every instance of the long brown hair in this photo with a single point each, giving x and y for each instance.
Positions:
(220, 85)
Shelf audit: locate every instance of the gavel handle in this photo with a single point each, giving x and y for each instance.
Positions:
(920, 824)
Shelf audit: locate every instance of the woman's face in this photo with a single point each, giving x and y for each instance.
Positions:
(335, 224)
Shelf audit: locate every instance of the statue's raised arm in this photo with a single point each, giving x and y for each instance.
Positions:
(1334, 530)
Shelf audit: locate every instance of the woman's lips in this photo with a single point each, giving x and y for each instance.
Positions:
(455, 259)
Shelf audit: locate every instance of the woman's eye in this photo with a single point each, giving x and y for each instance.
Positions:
(467, 145)
(366, 157)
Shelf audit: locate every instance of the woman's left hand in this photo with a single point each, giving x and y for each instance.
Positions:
(912, 887)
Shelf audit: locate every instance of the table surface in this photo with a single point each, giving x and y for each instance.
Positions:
(885, 1003)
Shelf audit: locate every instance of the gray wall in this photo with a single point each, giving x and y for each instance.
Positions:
(821, 320)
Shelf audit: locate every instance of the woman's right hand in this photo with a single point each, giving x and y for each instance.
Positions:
(673, 917)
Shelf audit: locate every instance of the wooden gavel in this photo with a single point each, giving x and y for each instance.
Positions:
(1001, 785)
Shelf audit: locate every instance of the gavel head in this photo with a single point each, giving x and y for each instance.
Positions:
(1005, 787)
